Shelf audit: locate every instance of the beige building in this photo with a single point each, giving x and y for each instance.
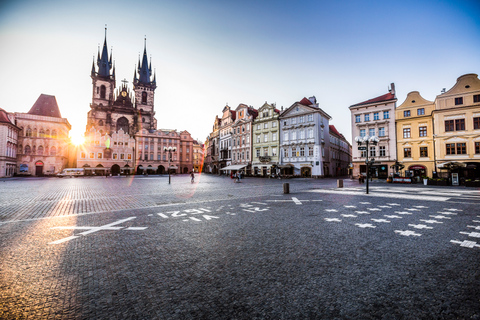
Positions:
(266, 141)
(104, 154)
(43, 142)
(375, 117)
(457, 127)
(415, 148)
(8, 144)
(242, 137)
(197, 156)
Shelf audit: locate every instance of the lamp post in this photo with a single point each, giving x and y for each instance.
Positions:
(367, 141)
(170, 150)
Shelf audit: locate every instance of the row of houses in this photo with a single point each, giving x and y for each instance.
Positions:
(425, 138)
(298, 141)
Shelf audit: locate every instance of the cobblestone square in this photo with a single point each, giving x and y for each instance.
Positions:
(138, 248)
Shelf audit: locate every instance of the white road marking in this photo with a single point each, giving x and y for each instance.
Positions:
(365, 225)
(430, 221)
(407, 233)
(472, 234)
(333, 220)
(420, 226)
(349, 215)
(384, 194)
(466, 243)
(64, 240)
(380, 220)
(331, 210)
(392, 216)
(296, 200)
(403, 212)
(440, 217)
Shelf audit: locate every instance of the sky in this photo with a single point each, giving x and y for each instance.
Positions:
(210, 53)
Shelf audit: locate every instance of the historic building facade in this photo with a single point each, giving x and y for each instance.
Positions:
(242, 137)
(225, 138)
(415, 149)
(456, 121)
(198, 156)
(305, 139)
(340, 153)
(8, 144)
(266, 141)
(43, 142)
(375, 117)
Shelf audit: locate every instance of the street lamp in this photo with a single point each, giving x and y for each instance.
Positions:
(170, 150)
(367, 141)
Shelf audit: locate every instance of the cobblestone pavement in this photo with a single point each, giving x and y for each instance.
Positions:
(121, 248)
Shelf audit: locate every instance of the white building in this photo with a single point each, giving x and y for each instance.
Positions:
(8, 144)
(304, 139)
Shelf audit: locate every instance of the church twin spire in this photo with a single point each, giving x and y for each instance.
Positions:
(144, 71)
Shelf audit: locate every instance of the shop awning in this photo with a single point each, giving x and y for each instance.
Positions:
(235, 167)
(450, 164)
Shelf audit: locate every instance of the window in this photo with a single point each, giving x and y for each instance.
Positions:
(476, 98)
(406, 133)
(364, 154)
(449, 125)
(258, 126)
(310, 117)
(420, 111)
(376, 116)
(381, 132)
(122, 156)
(293, 121)
(274, 124)
(294, 135)
(258, 138)
(82, 155)
(258, 153)
(459, 124)
(362, 132)
(422, 131)
(372, 152)
(285, 136)
(406, 113)
(302, 134)
(274, 136)
(423, 152)
(102, 92)
(310, 151)
(302, 151)
(274, 152)
(310, 133)
(461, 148)
(144, 97)
(371, 132)
(366, 117)
(386, 115)
(382, 151)
(265, 152)
(99, 155)
(265, 138)
(302, 119)
(458, 101)
(40, 150)
(53, 151)
(477, 147)
(357, 118)
(92, 155)
(407, 152)
(115, 156)
(450, 148)
(265, 125)
(476, 123)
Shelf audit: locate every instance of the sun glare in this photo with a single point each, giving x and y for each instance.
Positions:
(78, 139)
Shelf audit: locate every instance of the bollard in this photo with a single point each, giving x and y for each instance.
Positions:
(286, 188)
(339, 183)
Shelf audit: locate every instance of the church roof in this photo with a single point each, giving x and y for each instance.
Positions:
(46, 105)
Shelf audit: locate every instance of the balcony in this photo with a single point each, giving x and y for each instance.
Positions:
(265, 158)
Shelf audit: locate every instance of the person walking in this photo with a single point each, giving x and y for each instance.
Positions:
(192, 175)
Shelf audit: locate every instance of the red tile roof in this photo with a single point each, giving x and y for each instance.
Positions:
(4, 117)
(385, 97)
(306, 102)
(334, 130)
(46, 106)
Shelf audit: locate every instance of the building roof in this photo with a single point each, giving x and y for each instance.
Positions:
(386, 97)
(4, 117)
(46, 105)
(305, 102)
(333, 129)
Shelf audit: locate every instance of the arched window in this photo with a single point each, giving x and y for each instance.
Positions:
(28, 150)
(122, 123)
(144, 97)
(28, 133)
(47, 134)
(100, 123)
(53, 151)
(42, 133)
(40, 150)
(34, 133)
(54, 134)
(34, 150)
(103, 92)
(46, 150)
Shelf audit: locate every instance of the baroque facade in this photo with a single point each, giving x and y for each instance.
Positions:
(8, 144)
(375, 117)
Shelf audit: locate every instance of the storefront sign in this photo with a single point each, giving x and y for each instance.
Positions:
(402, 180)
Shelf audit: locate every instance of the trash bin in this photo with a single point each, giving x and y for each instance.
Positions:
(286, 188)
(339, 183)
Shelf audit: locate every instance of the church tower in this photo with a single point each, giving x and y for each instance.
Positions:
(144, 88)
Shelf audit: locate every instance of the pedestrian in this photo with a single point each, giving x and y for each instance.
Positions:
(192, 175)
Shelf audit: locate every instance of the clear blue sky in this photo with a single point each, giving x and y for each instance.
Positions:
(210, 53)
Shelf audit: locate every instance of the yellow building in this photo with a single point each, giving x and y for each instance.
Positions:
(415, 148)
(457, 127)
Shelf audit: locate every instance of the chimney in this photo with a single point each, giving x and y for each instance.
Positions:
(392, 88)
(313, 100)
